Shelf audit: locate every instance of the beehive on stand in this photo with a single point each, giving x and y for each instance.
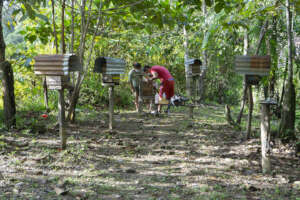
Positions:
(110, 68)
(195, 66)
(56, 68)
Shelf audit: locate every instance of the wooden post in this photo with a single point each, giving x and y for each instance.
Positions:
(191, 111)
(140, 101)
(265, 134)
(61, 118)
(265, 138)
(111, 105)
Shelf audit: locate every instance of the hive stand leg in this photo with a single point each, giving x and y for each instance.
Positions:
(265, 139)
(111, 106)
(191, 112)
(61, 119)
(140, 101)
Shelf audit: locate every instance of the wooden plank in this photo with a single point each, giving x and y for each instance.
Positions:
(54, 73)
(265, 138)
(111, 106)
(51, 68)
(61, 119)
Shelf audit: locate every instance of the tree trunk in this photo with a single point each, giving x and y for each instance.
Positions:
(246, 49)
(7, 81)
(63, 44)
(239, 118)
(72, 28)
(287, 124)
(250, 103)
(8, 94)
(274, 58)
(45, 94)
(186, 56)
(54, 27)
(204, 63)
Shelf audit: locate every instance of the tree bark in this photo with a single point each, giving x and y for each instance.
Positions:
(246, 49)
(63, 44)
(204, 63)
(186, 56)
(8, 95)
(287, 124)
(72, 27)
(7, 81)
(46, 102)
(54, 27)
(274, 58)
(250, 103)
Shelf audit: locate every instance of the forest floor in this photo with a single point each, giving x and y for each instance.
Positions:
(144, 157)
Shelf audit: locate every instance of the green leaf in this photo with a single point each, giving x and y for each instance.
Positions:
(220, 5)
(208, 3)
(43, 17)
(29, 11)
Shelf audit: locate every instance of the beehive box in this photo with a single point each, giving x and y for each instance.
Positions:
(56, 65)
(147, 90)
(57, 82)
(195, 66)
(253, 65)
(107, 65)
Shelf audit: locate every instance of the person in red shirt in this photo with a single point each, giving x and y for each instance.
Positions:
(166, 79)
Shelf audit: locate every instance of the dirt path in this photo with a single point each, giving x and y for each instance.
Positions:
(145, 158)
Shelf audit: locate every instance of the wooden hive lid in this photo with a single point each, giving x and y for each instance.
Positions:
(56, 64)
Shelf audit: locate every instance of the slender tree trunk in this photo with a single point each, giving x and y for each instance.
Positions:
(204, 63)
(287, 124)
(72, 28)
(63, 44)
(250, 103)
(243, 102)
(186, 57)
(284, 82)
(54, 27)
(274, 58)
(7, 81)
(46, 102)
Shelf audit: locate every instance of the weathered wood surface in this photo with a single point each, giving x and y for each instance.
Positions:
(265, 138)
(61, 119)
(107, 65)
(253, 65)
(56, 64)
(111, 106)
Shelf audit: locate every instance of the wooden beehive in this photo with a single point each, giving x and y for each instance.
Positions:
(147, 90)
(56, 65)
(57, 82)
(253, 65)
(107, 65)
(195, 66)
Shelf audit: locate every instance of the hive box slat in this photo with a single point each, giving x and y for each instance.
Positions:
(56, 64)
(253, 65)
(107, 65)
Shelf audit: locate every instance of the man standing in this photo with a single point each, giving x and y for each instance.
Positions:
(134, 82)
(166, 79)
